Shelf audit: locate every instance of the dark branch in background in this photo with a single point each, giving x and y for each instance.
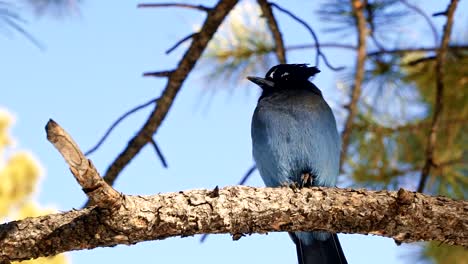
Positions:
(409, 50)
(442, 13)
(426, 17)
(159, 153)
(322, 45)
(178, 43)
(439, 96)
(358, 77)
(116, 122)
(158, 74)
(174, 83)
(314, 36)
(273, 25)
(369, 7)
(412, 127)
(397, 51)
(247, 175)
(189, 6)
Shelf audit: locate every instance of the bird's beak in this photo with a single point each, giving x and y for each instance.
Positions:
(263, 83)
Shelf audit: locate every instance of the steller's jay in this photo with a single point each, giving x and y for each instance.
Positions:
(295, 142)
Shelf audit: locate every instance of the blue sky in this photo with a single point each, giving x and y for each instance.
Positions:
(90, 73)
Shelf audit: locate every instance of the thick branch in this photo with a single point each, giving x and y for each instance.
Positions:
(438, 105)
(175, 80)
(273, 25)
(404, 216)
(358, 12)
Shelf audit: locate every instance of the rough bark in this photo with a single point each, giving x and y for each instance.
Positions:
(404, 216)
(124, 219)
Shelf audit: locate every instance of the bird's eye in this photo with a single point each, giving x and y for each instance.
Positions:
(284, 75)
(272, 74)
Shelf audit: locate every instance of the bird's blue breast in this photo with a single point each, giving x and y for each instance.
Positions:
(295, 134)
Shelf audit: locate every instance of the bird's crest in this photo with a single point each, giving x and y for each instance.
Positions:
(296, 72)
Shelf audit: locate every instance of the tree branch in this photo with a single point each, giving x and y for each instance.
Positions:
(411, 127)
(123, 219)
(175, 81)
(378, 52)
(404, 216)
(178, 43)
(273, 25)
(189, 6)
(358, 12)
(439, 96)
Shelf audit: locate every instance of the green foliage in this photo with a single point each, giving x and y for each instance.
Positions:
(444, 254)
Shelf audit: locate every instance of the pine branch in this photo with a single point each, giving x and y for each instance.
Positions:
(438, 105)
(358, 12)
(180, 5)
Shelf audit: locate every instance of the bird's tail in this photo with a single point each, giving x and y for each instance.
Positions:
(320, 252)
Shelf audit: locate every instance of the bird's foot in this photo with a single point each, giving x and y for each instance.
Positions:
(293, 185)
(307, 179)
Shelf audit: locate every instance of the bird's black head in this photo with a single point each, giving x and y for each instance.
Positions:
(286, 76)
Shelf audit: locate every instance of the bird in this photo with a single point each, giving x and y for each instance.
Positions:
(295, 142)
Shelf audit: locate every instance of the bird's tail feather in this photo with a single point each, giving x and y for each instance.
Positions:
(321, 252)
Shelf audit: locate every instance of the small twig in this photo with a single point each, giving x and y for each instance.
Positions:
(189, 6)
(158, 74)
(99, 192)
(273, 25)
(178, 43)
(159, 153)
(426, 17)
(116, 122)
(358, 77)
(442, 13)
(314, 36)
(247, 175)
(439, 96)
